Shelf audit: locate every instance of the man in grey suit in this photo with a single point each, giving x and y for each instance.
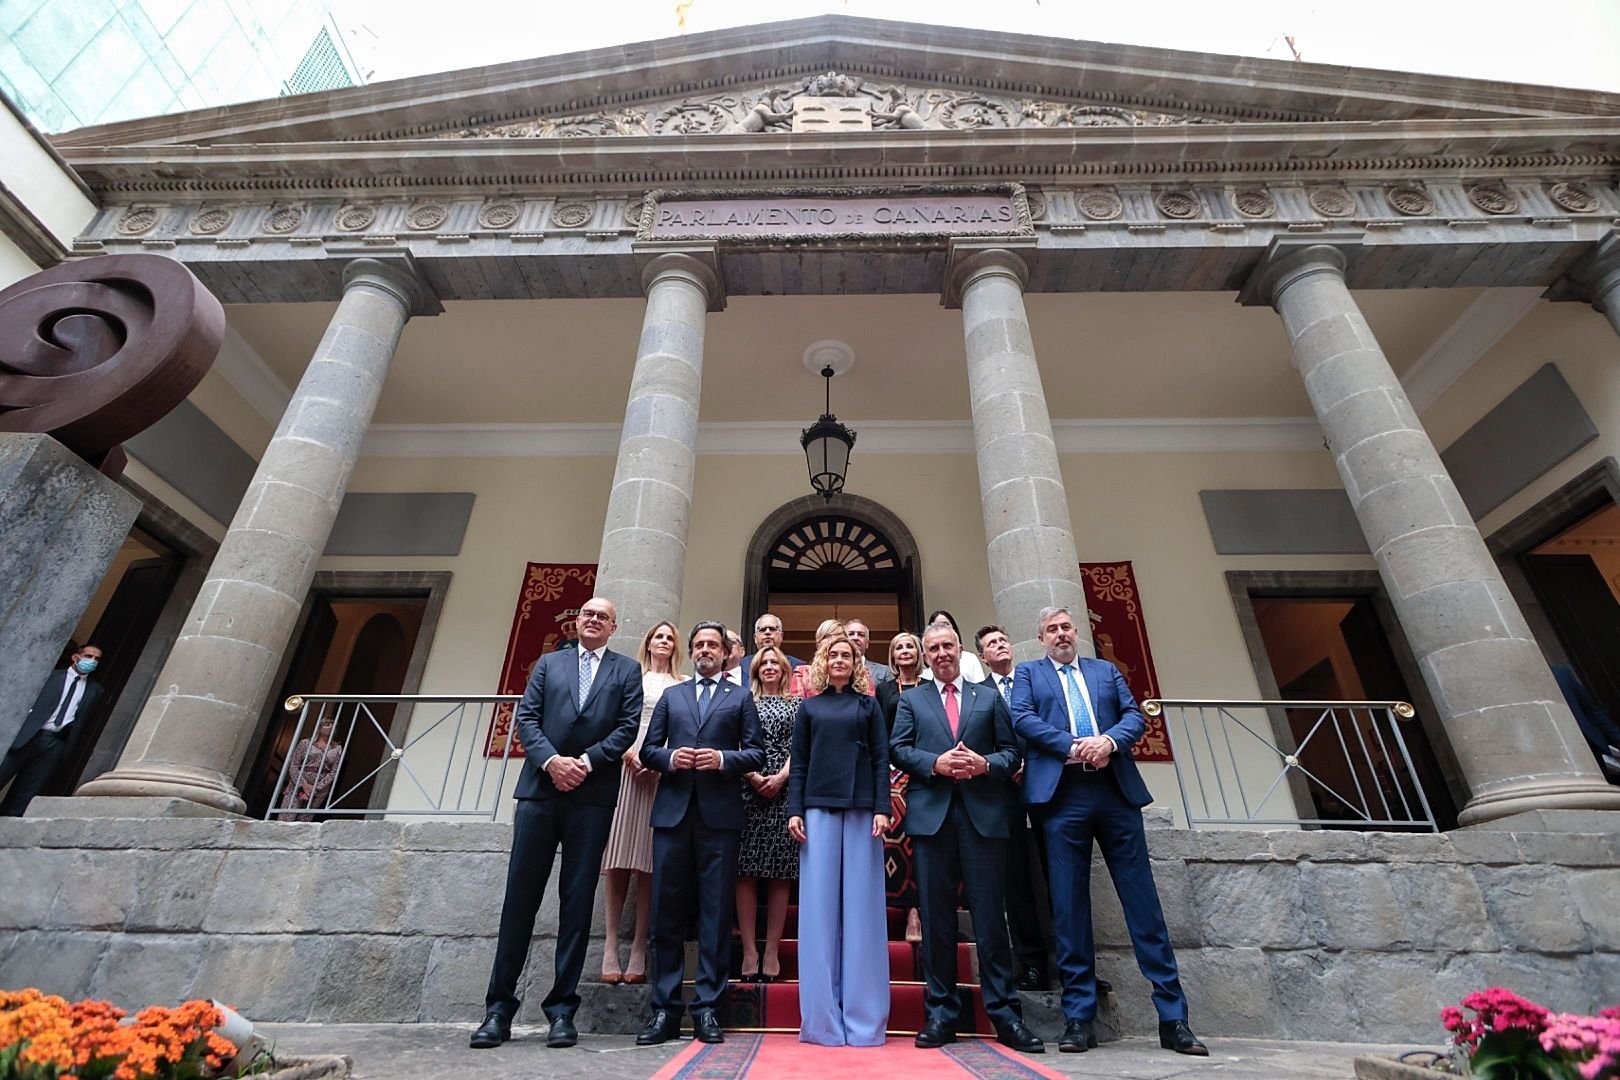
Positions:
(860, 636)
(49, 733)
(578, 716)
(955, 738)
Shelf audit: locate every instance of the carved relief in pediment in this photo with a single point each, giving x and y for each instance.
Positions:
(857, 105)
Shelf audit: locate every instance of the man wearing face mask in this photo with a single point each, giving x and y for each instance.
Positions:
(52, 727)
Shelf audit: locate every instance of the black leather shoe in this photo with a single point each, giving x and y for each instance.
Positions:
(1176, 1035)
(1033, 978)
(935, 1034)
(1104, 987)
(495, 1030)
(1018, 1036)
(563, 1033)
(663, 1027)
(706, 1026)
(1077, 1037)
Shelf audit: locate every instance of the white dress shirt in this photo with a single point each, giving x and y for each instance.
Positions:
(73, 693)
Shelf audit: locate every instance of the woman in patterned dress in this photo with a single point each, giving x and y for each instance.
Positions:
(629, 846)
(767, 852)
(906, 664)
(313, 766)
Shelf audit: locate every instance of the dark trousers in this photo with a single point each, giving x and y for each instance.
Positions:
(1088, 807)
(693, 865)
(539, 828)
(33, 766)
(958, 854)
(1026, 889)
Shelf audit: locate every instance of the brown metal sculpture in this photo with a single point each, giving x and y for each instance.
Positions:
(96, 351)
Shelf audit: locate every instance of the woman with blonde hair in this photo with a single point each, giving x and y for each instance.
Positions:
(801, 675)
(767, 853)
(838, 810)
(629, 845)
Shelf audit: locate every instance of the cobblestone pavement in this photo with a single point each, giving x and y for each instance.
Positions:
(439, 1051)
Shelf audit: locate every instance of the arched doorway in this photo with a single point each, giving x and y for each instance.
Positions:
(846, 558)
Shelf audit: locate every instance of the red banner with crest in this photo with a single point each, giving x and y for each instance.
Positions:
(1120, 634)
(547, 610)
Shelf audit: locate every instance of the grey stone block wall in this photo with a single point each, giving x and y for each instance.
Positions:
(1300, 935)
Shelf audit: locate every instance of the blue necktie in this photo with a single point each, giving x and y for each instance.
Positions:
(705, 699)
(1080, 725)
(585, 659)
(1006, 689)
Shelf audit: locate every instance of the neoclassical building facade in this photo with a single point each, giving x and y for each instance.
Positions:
(1215, 317)
(1310, 374)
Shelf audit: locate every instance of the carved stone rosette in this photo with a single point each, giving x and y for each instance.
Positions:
(355, 217)
(1254, 203)
(1037, 204)
(572, 215)
(1332, 202)
(1178, 204)
(499, 215)
(1100, 204)
(425, 216)
(1493, 198)
(1576, 198)
(1409, 201)
(211, 220)
(283, 219)
(138, 220)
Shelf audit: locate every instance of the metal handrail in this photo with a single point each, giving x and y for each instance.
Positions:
(434, 786)
(1214, 790)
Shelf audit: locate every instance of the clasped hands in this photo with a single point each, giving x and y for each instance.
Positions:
(960, 763)
(567, 773)
(768, 786)
(1093, 750)
(690, 757)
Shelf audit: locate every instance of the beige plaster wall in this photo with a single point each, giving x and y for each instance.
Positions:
(1587, 351)
(14, 265)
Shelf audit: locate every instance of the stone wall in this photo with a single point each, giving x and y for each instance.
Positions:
(1285, 934)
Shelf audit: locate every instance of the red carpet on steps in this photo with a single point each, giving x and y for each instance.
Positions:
(784, 1057)
(774, 1007)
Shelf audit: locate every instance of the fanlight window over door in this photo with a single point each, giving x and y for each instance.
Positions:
(832, 543)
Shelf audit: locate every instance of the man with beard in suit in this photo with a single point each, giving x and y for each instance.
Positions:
(703, 737)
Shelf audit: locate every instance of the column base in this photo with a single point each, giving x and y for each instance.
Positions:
(1575, 795)
(136, 782)
(122, 806)
(1556, 821)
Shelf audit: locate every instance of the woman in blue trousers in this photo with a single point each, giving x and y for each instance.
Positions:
(838, 801)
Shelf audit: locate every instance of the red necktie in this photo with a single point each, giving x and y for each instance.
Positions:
(952, 713)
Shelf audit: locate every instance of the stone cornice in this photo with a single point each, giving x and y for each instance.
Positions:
(1497, 147)
(1236, 87)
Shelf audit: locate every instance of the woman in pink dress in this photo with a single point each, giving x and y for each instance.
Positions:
(629, 845)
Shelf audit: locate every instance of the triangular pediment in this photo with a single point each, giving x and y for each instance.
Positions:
(868, 72)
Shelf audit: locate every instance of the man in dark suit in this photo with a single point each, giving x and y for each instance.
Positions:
(1077, 721)
(50, 732)
(1602, 733)
(579, 714)
(1023, 886)
(767, 631)
(955, 739)
(703, 737)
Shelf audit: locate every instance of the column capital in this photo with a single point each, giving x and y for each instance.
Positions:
(1595, 279)
(397, 275)
(696, 262)
(968, 259)
(1290, 258)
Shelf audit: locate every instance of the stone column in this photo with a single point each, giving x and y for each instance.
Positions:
(1030, 537)
(196, 729)
(643, 558)
(1597, 279)
(1515, 740)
